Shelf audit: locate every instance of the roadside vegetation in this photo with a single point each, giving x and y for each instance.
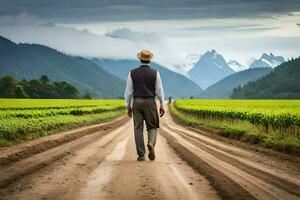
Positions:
(270, 123)
(27, 119)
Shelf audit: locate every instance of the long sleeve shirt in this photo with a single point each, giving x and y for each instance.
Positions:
(159, 91)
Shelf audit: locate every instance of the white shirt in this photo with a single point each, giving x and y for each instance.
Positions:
(159, 91)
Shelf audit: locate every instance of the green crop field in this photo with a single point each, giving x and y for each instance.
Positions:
(26, 119)
(273, 123)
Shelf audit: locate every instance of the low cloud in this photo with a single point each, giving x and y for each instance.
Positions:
(117, 44)
(23, 19)
(170, 40)
(163, 52)
(126, 33)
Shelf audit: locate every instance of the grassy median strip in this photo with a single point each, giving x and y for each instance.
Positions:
(22, 120)
(241, 130)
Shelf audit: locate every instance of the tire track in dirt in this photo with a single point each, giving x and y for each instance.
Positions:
(30, 164)
(282, 181)
(239, 174)
(101, 164)
(102, 174)
(24, 150)
(106, 168)
(226, 188)
(120, 176)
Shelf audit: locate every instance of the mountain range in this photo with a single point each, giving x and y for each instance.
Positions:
(175, 85)
(105, 78)
(224, 88)
(30, 61)
(282, 83)
(216, 76)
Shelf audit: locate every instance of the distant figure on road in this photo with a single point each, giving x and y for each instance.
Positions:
(170, 100)
(143, 84)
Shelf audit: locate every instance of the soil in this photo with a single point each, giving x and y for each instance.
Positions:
(99, 162)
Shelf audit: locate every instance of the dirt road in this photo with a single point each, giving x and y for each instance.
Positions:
(99, 162)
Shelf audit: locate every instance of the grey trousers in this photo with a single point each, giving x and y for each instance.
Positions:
(144, 110)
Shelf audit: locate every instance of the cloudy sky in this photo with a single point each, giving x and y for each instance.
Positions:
(237, 29)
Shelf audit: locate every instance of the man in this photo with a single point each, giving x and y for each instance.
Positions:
(143, 84)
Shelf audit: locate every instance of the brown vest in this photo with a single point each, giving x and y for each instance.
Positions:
(144, 79)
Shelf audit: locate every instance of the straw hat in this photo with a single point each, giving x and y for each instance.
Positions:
(145, 55)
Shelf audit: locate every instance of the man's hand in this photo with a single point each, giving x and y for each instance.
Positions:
(129, 111)
(161, 111)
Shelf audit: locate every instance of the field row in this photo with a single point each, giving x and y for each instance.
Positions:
(269, 123)
(27, 119)
(33, 113)
(275, 113)
(40, 104)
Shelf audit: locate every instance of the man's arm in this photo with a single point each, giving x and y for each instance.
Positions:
(159, 91)
(128, 94)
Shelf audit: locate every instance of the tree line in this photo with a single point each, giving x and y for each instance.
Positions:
(40, 88)
(282, 83)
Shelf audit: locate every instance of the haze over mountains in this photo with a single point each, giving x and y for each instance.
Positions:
(30, 61)
(176, 85)
(282, 83)
(212, 67)
(105, 78)
(219, 78)
(236, 66)
(224, 88)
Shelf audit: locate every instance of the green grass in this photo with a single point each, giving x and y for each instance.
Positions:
(28, 119)
(241, 130)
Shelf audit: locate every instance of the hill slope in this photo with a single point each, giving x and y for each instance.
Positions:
(210, 69)
(30, 61)
(281, 83)
(224, 88)
(175, 85)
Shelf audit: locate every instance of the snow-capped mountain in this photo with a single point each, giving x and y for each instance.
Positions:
(209, 69)
(267, 61)
(236, 66)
